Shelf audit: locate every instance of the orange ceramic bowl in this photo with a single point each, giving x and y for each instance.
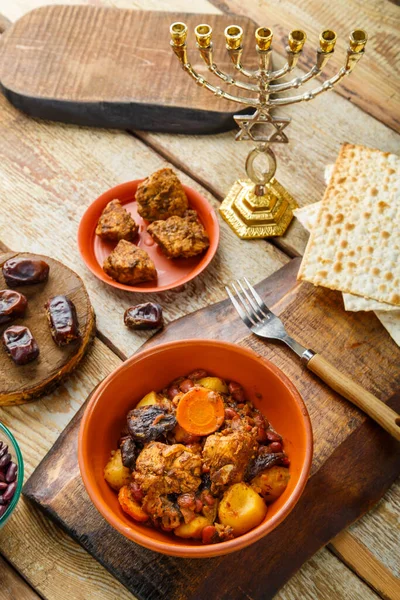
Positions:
(171, 273)
(265, 385)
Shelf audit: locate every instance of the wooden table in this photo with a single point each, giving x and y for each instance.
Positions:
(49, 173)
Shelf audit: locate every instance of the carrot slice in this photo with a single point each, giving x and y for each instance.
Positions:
(200, 411)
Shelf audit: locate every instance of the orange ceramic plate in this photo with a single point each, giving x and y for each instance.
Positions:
(171, 273)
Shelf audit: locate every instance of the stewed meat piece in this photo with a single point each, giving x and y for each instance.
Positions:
(116, 223)
(129, 264)
(160, 196)
(180, 237)
(228, 456)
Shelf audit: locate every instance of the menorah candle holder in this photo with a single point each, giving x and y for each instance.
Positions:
(260, 206)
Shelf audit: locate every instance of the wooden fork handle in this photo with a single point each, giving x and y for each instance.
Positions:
(375, 408)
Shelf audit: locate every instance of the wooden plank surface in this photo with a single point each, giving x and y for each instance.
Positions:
(374, 84)
(376, 529)
(352, 552)
(12, 585)
(344, 441)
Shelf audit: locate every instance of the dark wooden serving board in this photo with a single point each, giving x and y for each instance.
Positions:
(354, 460)
(110, 67)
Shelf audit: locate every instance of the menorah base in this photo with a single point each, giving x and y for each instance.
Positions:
(252, 216)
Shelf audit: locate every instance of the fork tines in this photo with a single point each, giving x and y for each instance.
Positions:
(249, 305)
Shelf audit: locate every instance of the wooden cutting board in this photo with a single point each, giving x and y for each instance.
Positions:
(24, 383)
(354, 460)
(110, 67)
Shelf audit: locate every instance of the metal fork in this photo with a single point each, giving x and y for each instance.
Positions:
(261, 320)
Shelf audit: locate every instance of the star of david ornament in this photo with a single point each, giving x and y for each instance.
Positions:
(260, 120)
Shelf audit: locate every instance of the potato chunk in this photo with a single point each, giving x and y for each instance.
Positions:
(150, 398)
(115, 473)
(271, 483)
(241, 508)
(192, 529)
(213, 383)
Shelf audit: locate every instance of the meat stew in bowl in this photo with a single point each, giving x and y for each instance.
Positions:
(198, 460)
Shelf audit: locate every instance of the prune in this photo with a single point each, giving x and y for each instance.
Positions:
(144, 316)
(61, 314)
(12, 304)
(149, 422)
(264, 461)
(129, 453)
(20, 344)
(25, 271)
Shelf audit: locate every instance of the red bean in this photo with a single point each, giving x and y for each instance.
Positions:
(186, 385)
(285, 461)
(3, 509)
(9, 493)
(198, 374)
(273, 437)
(208, 499)
(187, 501)
(3, 486)
(3, 450)
(4, 460)
(230, 413)
(2, 476)
(205, 469)
(236, 391)
(173, 391)
(199, 505)
(208, 534)
(276, 447)
(136, 491)
(261, 435)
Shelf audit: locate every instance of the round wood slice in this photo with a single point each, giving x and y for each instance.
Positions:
(20, 384)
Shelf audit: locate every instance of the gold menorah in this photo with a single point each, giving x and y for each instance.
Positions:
(261, 206)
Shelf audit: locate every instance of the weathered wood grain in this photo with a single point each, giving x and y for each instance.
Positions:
(344, 440)
(379, 531)
(374, 85)
(352, 552)
(20, 384)
(12, 585)
(51, 173)
(322, 577)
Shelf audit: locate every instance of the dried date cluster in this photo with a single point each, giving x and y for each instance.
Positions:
(18, 340)
(8, 478)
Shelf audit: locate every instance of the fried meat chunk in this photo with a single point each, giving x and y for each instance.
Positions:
(129, 264)
(161, 196)
(116, 223)
(180, 237)
(162, 470)
(228, 456)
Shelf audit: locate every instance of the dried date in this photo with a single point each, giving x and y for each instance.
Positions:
(129, 453)
(20, 344)
(265, 461)
(12, 304)
(63, 321)
(25, 271)
(144, 316)
(149, 422)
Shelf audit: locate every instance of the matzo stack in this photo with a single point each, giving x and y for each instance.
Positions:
(355, 243)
